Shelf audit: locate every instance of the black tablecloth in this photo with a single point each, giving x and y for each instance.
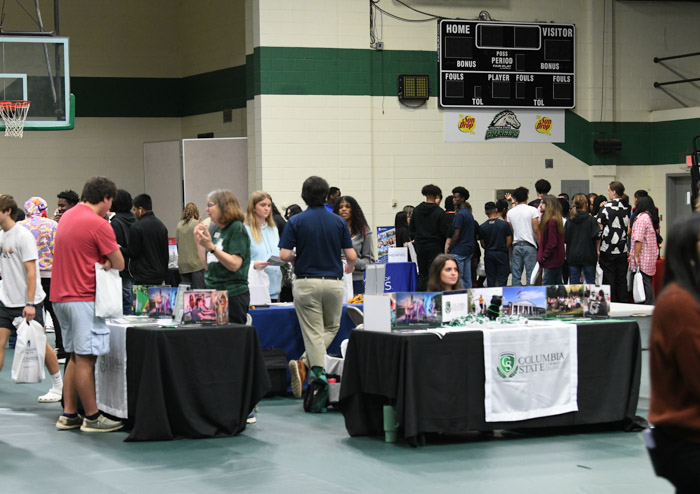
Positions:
(437, 385)
(192, 381)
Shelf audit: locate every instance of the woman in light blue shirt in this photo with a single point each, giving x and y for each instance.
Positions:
(264, 239)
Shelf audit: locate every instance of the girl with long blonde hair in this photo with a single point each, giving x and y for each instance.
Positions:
(264, 239)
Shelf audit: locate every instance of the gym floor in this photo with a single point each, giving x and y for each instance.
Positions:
(290, 451)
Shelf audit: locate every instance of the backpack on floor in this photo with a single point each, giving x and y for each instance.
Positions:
(316, 396)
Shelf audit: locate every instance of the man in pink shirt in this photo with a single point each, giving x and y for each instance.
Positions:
(84, 238)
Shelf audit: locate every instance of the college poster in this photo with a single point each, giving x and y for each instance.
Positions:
(386, 237)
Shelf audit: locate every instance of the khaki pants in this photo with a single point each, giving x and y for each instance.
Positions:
(319, 305)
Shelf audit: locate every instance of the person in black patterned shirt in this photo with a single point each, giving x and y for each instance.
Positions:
(614, 219)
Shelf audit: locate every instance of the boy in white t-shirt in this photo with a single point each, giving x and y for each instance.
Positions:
(525, 222)
(21, 294)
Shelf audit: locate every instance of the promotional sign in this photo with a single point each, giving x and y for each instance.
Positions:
(506, 64)
(531, 371)
(481, 298)
(416, 309)
(597, 300)
(455, 304)
(506, 125)
(524, 301)
(398, 254)
(386, 237)
(565, 300)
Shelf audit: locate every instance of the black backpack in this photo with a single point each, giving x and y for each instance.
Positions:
(316, 396)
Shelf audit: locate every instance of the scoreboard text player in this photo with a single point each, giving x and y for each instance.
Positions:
(506, 64)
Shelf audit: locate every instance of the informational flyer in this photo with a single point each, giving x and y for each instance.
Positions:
(386, 237)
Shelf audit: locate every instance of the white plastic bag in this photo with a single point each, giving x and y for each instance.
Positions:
(347, 284)
(481, 269)
(535, 274)
(258, 286)
(30, 350)
(598, 274)
(108, 293)
(638, 290)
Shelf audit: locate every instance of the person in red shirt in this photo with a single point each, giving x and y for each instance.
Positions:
(551, 253)
(83, 238)
(674, 360)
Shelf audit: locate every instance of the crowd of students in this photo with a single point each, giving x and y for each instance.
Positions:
(569, 240)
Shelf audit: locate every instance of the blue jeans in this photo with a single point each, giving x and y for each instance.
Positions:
(127, 295)
(551, 276)
(588, 274)
(497, 267)
(464, 263)
(524, 257)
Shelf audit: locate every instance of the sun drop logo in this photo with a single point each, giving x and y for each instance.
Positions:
(543, 125)
(466, 124)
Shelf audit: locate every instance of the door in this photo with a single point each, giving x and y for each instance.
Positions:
(677, 197)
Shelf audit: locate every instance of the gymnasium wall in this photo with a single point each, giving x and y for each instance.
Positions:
(328, 103)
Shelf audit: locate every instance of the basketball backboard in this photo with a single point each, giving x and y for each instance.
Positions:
(36, 68)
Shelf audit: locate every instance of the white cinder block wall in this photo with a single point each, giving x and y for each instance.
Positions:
(377, 150)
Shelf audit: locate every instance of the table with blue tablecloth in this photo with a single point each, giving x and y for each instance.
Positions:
(278, 327)
(400, 277)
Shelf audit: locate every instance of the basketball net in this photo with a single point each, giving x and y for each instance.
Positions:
(14, 114)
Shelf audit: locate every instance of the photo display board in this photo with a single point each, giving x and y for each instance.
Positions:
(506, 64)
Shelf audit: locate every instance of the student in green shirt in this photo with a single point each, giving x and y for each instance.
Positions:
(226, 252)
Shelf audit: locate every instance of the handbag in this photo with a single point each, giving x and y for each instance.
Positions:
(108, 293)
(30, 350)
(638, 289)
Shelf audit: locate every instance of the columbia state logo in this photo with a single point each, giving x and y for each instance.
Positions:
(506, 365)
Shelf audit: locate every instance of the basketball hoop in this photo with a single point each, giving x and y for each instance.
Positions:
(14, 114)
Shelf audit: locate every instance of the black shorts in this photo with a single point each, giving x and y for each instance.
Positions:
(8, 314)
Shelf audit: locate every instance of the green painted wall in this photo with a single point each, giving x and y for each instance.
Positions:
(327, 71)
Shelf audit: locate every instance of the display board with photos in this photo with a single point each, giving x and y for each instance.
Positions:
(140, 304)
(205, 307)
(416, 309)
(565, 300)
(161, 301)
(597, 300)
(524, 301)
(419, 310)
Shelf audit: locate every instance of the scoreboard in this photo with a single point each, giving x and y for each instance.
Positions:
(506, 64)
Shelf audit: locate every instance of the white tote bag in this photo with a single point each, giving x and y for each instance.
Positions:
(108, 293)
(638, 290)
(598, 275)
(258, 286)
(30, 350)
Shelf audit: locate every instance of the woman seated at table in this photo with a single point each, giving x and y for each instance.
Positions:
(444, 274)
(360, 232)
(264, 239)
(226, 252)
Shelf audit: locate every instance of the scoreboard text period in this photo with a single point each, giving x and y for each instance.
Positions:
(506, 64)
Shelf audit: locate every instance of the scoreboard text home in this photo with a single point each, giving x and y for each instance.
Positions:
(506, 64)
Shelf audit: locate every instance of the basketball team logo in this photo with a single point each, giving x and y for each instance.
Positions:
(504, 125)
(506, 365)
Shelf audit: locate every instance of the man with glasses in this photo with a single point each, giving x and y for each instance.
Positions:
(148, 245)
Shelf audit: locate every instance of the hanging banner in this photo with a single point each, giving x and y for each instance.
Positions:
(531, 371)
(503, 125)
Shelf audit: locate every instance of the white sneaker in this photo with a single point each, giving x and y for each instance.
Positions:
(53, 396)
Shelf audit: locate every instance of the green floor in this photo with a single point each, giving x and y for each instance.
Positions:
(289, 451)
